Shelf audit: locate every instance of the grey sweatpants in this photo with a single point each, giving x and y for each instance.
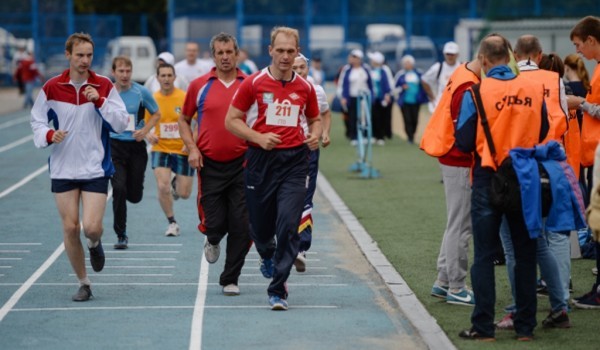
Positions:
(452, 263)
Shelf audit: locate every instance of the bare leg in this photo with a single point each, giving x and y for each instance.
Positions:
(68, 208)
(184, 186)
(94, 205)
(163, 182)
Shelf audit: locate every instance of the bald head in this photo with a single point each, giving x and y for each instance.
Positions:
(528, 47)
(494, 50)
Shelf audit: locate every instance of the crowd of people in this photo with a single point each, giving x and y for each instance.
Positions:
(254, 137)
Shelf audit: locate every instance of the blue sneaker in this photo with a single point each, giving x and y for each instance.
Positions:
(266, 267)
(122, 242)
(277, 303)
(97, 257)
(463, 297)
(439, 291)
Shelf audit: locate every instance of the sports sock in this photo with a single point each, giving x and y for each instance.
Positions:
(171, 220)
(85, 282)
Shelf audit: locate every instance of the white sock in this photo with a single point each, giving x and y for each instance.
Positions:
(85, 282)
(92, 244)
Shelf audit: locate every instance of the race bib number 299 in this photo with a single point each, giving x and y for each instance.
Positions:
(282, 114)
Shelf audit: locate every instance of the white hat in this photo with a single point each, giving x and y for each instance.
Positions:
(302, 57)
(376, 57)
(451, 47)
(167, 57)
(357, 53)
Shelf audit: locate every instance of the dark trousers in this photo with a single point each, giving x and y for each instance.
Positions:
(313, 170)
(275, 192)
(381, 118)
(410, 115)
(486, 227)
(352, 118)
(130, 159)
(222, 211)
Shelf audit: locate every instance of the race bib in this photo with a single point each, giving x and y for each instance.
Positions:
(131, 123)
(169, 131)
(282, 114)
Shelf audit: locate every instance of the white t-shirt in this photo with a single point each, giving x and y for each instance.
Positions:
(191, 72)
(153, 85)
(436, 83)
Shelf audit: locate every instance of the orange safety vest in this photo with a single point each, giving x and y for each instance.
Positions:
(438, 137)
(572, 142)
(556, 115)
(590, 126)
(513, 109)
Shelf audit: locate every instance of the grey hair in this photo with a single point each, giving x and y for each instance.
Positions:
(225, 38)
(408, 59)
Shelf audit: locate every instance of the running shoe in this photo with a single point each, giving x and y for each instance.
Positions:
(439, 291)
(277, 303)
(172, 230)
(462, 297)
(83, 294)
(122, 242)
(97, 257)
(211, 252)
(266, 267)
(558, 319)
(591, 302)
(300, 262)
(507, 322)
(588, 294)
(231, 290)
(474, 335)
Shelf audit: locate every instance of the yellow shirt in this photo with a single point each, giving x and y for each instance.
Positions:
(167, 130)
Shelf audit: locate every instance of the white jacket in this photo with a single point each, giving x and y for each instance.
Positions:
(85, 152)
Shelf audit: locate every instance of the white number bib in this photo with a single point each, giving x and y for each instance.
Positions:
(169, 131)
(131, 123)
(282, 114)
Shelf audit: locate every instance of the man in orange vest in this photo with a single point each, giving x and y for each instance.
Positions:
(516, 114)
(438, 141)
(586, 38)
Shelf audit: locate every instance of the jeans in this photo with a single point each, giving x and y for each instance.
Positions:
(548, 263)
(560, 247)
(486, 236)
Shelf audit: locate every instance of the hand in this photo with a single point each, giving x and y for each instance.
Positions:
(574, 101)
(325, 140)
(152, 138)
(312, 142)
(195, 158)
(139, 135)
(268, 141)
(91, 93)
(59, 136)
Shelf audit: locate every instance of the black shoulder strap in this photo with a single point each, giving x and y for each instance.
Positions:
(439, 71)
(484, 121)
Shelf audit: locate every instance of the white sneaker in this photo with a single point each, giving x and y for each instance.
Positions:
(300, 262)
(172, 230)
(211, 252)
(231, 290)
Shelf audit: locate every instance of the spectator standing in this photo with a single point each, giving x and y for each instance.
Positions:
(27, 74)
(192, 67)
(316, 71)
(381, 107)
(152, 82)
(436, 77)
(409, 85)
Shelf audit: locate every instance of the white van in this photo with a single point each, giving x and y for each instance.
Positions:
(140, 49)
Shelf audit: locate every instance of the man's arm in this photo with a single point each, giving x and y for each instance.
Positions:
(314, 133)
(234, 122)
(185, 131)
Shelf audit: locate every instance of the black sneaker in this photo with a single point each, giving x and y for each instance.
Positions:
(587, 295)
(83, 294)
(558, 319)
(542, 289)
(97, 257)
(122, 242)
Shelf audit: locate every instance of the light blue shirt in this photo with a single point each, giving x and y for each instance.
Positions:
(137, 99)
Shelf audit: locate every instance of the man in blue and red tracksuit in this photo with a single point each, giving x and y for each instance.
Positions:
(267, 111)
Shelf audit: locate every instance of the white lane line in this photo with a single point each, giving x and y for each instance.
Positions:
(309, 268)
(300, 274)
(176, 284)
(138, 259)
(15, 251)
(155, 244)
(135, 267)
(11, 258)
(159, 307)
(199, 306)
(25, 180)
(142, 252)
(16, 143)
(130, 275)
(14, 122)
(251, 259)
(5, 267)
(20, 243)
(30, 281)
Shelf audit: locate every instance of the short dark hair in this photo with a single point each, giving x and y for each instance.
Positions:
(124, 59)
(165, 65)
(552, 62)
(77, 38)
(224, 38)
(528, 45)
(588, 26)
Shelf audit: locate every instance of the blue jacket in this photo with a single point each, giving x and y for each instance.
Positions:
(346, 80)
(567, 209)
(401, 80)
